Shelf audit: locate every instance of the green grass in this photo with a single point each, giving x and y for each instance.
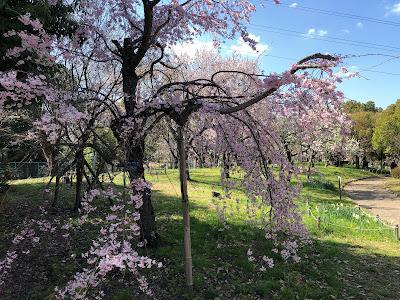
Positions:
(340, 264)
(394, 185)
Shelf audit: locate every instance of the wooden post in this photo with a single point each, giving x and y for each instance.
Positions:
(340, 187)
(358, 206)
(396, 231)
(319, 223)
(309, 210)
(185, 208)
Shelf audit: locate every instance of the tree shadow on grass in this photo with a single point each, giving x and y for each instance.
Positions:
(333, 270)
(221, 268)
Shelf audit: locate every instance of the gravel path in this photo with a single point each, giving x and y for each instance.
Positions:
(372, 195)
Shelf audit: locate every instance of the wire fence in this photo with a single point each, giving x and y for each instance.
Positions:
(23, 170)
(385, 225)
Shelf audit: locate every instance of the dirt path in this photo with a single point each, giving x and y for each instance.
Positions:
(372, 195)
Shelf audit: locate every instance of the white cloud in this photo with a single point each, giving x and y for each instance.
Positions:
(293, 5)
(312, 32)
(190, 48)
(394, 10)
(346, 31)
(360, 25)
(245, 49)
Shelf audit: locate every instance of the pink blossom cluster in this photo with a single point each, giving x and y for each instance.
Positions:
(113, 248)
(18, 92)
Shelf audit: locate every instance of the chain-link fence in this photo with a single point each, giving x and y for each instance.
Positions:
(23, 170)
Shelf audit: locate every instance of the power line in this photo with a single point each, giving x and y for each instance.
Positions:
(335, 13)
(295, 60)
(324, 38)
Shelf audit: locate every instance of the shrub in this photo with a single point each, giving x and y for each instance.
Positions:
(395, 172)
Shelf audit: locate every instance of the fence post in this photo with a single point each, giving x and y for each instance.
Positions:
(340, 187)
(358, 206)
(319, 223)
(396, 231)
(309, 210)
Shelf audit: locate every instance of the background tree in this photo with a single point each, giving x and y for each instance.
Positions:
(364, 117)
(386, 139)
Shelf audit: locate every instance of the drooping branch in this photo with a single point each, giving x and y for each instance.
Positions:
(299, 66)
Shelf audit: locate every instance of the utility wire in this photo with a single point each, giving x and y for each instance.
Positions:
(324, 38)
(333, 13)
(295, 60)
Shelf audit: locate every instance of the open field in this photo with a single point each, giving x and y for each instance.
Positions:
(340, 264)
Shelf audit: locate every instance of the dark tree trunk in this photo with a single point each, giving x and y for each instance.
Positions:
(56, 191)
(310, 164)
(364, 162)
(187, 168)
(225, 161)
(147, 220)
(134, 158)
(200, 161)
(175, 162)
(288, 153)
(79, 178)
(357, 161)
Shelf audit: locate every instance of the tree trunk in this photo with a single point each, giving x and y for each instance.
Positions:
(200, 161)
(357, 161)
(364, 162)
(310, 164)
(56, 191)
(134, 158)
(225, 161)
(185, 208)
(147, 222)
(187, 169)
(55, 171)
(79, 178)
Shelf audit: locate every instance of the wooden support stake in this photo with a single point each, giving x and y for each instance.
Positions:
(358, 206)
(185, 209)
(396, 231)
(319, 223)
(340, 187)
(309, 210)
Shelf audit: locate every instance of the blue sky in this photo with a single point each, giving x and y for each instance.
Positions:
(294, 29)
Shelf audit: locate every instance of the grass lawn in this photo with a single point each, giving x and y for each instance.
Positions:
(394, 185)
(340, 264)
